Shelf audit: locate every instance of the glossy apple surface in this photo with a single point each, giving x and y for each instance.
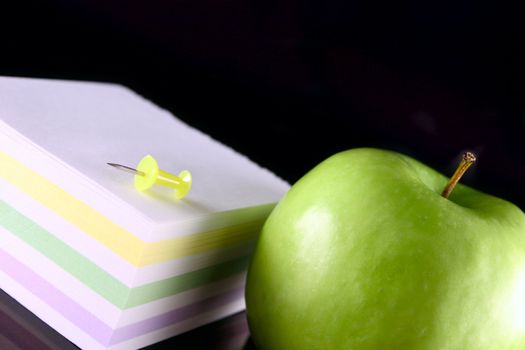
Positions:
(363, 253)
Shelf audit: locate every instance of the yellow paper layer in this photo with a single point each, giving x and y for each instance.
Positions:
(131, 248)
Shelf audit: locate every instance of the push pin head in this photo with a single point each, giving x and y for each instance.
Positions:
(148, 174)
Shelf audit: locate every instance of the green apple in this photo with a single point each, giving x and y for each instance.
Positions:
(364, 253)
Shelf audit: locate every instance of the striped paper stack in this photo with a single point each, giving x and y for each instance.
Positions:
(103, 264)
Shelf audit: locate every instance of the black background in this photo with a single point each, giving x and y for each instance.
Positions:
(289, 83)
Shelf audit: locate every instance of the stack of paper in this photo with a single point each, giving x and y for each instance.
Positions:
(105, 265)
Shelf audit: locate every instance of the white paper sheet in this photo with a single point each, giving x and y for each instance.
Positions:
(85, 125)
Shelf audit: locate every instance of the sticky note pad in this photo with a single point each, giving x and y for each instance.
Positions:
(106, 265)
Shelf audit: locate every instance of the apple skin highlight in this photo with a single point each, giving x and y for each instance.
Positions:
(363, 253)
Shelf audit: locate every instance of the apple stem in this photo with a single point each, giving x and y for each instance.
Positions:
(467, 160)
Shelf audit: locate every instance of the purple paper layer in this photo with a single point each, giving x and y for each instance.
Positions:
(90, 324)
(53, 297)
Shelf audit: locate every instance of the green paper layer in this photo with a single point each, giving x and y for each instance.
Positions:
(99, 280)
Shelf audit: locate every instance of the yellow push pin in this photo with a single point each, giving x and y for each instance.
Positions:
(148, 173)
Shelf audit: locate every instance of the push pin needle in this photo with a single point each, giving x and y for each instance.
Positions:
(148, 173)
(127, 169)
